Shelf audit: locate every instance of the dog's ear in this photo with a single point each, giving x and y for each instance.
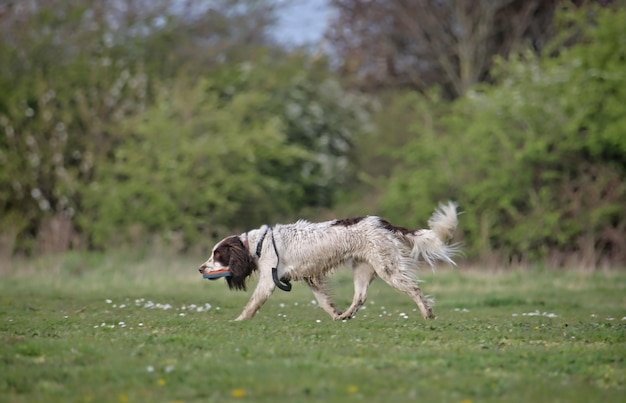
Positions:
(240, 264)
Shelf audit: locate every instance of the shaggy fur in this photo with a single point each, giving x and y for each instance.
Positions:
(309, 252)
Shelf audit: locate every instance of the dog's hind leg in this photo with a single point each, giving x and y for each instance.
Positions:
(408, 285)
(364, 274)
(319, 287)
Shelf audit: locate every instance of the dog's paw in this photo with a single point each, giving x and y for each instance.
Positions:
(345, 316)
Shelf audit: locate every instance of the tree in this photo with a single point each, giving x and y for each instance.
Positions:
(421, 43)
(538, 160)
(318, 113)
(246, 146)
(192, 166)
(62, 89)
(72, 72)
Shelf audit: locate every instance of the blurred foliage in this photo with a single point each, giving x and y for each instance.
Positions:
(130, 121)
(62, 90)
(188, 163)
(538, 161)
(418, 43)
(168, 124)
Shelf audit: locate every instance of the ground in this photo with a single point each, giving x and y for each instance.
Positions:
(91, 328)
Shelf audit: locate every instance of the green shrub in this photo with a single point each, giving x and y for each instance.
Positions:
(191, 165)
(536, 161)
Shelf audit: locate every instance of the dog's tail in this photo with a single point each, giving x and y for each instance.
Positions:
(432, 244)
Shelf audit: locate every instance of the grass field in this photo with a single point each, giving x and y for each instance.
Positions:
(91, 328)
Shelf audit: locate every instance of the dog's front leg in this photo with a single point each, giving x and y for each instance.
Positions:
(263, 290)
(319, 287)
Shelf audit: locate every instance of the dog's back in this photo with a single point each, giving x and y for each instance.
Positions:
(312, 248)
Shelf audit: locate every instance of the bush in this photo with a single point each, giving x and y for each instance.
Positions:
(227, 153)
(536, 161)
(191, 165)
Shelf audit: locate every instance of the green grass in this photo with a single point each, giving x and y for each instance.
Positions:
(77, 329)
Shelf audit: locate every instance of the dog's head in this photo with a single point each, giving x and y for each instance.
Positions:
(232, 255)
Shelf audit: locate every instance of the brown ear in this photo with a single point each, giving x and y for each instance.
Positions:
(241, 264)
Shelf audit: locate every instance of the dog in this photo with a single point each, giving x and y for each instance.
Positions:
(310, 252)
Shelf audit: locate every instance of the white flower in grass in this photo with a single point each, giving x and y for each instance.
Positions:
(108, 301)
(169, 368)
(537, 313)
(150, 368)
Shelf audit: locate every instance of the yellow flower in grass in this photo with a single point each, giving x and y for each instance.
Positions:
(352, 389)
(161, 382)
(238, 393)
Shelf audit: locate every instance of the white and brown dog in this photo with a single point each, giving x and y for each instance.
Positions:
(311, 251)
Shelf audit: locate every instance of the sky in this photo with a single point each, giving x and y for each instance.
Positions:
(302, 22)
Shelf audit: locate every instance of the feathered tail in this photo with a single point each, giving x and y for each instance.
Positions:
(432, 244)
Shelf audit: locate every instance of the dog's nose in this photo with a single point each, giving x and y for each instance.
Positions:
(201, 269)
